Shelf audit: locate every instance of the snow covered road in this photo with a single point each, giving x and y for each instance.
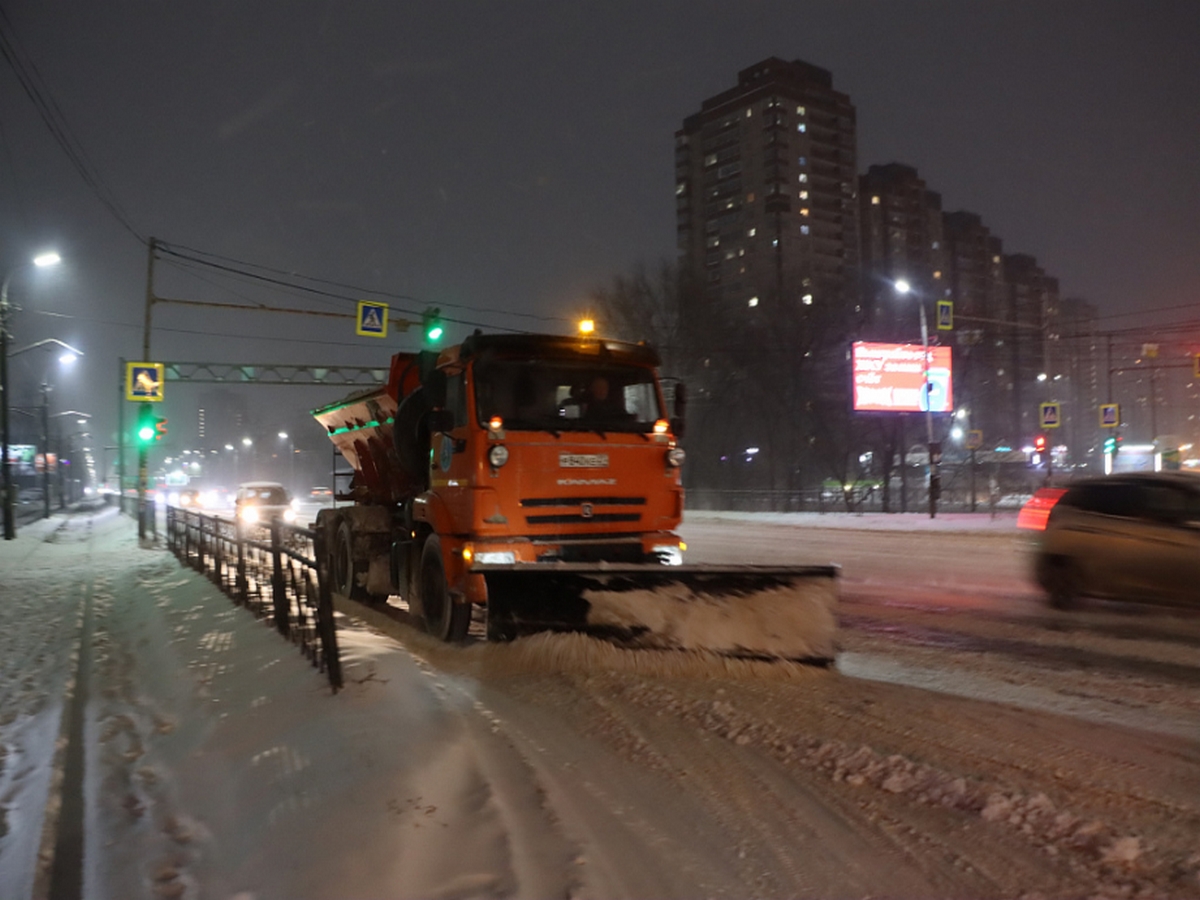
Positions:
(969, 744)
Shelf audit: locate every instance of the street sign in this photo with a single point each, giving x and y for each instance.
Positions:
(974, 439)
(372, 319)
(144, 381)
(1051, 415)
(1110, 415)
(945, 315)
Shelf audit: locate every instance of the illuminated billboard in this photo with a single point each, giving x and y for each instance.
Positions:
(888, 378)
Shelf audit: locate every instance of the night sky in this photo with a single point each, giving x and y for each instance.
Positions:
(501, 158)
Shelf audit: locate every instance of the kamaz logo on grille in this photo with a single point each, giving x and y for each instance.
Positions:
(583, 460)
(586, 512)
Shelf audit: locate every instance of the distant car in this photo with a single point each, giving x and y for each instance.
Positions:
(258, 502)
(190, 498)
(1129, 537)
(321, 494)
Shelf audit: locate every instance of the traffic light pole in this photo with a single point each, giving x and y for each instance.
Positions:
(935, 478)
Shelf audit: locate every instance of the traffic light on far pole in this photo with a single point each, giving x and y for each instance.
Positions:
(1110, 445)
(1039, 443)
(160, 429)
(431, 325)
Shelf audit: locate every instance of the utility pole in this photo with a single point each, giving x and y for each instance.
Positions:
(143, 447)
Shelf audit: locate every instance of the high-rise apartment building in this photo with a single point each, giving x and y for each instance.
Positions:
(1032, 305)
(766, 187)
(901, 240)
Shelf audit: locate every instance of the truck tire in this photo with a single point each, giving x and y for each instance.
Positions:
(344, 567)
(444, 619)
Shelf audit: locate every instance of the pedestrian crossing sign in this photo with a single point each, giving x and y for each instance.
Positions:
(1110, 415)
(372, 319)
(144, 381)
(1051, 415)
(945, 315)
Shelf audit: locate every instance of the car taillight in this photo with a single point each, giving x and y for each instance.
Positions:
(1036, 513)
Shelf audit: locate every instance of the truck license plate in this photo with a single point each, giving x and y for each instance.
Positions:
(583, 460)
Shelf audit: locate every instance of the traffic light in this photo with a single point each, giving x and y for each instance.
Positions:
(160, 429)
(1112, 444)
(146, 427)
(1039, 443)
(431, 325)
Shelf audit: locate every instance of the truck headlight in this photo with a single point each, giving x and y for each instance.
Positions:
(498, 456)
(249, 515)
(675, 457)
(668, 554)
(495, 557)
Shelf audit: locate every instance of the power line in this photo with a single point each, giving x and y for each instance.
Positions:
(51, 113)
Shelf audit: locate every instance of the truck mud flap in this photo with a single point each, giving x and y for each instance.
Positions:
(759, 612)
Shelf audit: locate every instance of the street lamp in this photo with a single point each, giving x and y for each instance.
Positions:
(284, 436)
(935, 479)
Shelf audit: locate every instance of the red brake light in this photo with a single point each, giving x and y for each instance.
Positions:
(1036, 512)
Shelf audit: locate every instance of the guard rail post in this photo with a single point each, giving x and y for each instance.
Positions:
(278, 585)
(241, 590)
(326, 629)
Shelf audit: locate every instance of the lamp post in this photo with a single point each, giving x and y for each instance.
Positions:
(42, 261)
(935, 479)
(284, 436)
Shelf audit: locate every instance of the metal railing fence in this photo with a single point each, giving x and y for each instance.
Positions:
(278, 572)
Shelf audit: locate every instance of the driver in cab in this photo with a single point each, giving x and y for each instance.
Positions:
(604, 401)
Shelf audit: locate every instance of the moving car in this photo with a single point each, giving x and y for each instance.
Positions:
(1134, 536)
(258, 502)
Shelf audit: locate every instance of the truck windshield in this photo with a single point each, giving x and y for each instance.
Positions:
(566, 395)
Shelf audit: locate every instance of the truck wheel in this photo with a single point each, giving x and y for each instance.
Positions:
(444, 619)
(343, 568)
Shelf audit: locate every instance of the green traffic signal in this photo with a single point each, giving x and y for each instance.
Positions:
(146, 433)
(431, 325)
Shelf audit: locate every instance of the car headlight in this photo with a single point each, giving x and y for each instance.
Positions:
(498, 456)
(248, 514)
(289, 515)
(675, 457)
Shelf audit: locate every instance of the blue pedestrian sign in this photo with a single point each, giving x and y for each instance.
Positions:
(945, 315)
(1110, 415)
(144, 381)
(1051, 415)
(372, 319)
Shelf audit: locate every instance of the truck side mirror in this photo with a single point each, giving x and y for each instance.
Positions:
(441, 421)
(677, 423)
(434, 383)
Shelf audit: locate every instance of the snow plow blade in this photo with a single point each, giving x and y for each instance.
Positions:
(757, 612)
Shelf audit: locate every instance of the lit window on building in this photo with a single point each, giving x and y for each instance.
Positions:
(804, 211)
(875, 200)
(749, 113)
(680, 188)
(804, 229)
(710, 160)
(753, 301)
(804, 195)
(774, 242)
(937, 275)
(750, 197)
(714, 241)
(935, 245)
(807, 299)
(995, 259)
(800, 126)
(752, 232)
(804, 176)
(799, 110)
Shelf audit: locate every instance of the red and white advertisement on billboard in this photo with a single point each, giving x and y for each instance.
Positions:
(890, 378)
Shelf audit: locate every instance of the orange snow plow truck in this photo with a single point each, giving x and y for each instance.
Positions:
(535, 481)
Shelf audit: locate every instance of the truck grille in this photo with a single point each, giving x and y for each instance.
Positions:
(586, 510)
